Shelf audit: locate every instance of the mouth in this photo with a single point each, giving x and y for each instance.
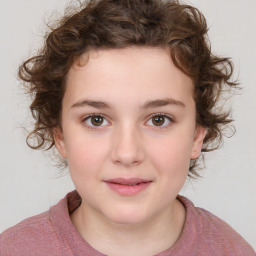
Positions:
(128, 187)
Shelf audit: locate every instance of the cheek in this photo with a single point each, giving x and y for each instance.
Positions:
(86, 160)
(172, 154)
(86, 155)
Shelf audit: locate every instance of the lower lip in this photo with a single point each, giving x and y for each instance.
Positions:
(128, 190)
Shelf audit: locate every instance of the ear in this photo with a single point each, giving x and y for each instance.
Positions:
(198, 142)
(59, 141)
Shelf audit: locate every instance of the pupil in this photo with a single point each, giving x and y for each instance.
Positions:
(158, 120)
(97, 120)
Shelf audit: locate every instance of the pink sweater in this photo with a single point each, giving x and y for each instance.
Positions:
(52, 233)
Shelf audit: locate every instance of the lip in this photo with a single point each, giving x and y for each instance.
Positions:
(128, 187)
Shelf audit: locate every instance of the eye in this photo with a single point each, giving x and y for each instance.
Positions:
(95, 120)
(160, 120)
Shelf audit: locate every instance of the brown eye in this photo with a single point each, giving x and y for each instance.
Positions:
(95, 121)
(160, 120)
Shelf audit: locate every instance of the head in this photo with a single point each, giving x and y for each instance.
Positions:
(128, 115)
(179, 30)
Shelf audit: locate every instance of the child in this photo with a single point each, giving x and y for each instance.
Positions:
(127, 93)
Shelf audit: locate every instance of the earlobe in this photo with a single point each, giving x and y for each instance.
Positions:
(59, 141)
(198, 142)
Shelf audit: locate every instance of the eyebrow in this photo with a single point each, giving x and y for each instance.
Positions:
(163, 102)
(147, 104)
(92, 103)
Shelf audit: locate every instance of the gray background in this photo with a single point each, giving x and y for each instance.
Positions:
(29, 184)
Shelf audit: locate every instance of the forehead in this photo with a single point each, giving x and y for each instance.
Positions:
(130, 73)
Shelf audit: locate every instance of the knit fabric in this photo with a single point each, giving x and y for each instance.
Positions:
(52, 233)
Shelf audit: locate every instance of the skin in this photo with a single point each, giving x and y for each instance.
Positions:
(128, 143)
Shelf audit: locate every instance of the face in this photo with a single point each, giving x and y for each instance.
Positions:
(128, 132)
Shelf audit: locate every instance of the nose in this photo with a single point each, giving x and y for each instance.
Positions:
(127, 147)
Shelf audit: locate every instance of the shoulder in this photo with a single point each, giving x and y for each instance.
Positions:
(33, 236)
(214, 235)
(43, 234)
(221, 235)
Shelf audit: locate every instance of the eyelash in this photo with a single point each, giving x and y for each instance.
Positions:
(169, 118)
(90, 116)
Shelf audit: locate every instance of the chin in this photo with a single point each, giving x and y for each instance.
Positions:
(128, 216)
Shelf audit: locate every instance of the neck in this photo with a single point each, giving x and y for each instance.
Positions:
(148, 238)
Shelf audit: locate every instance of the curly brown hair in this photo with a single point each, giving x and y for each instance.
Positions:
(118, 24)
